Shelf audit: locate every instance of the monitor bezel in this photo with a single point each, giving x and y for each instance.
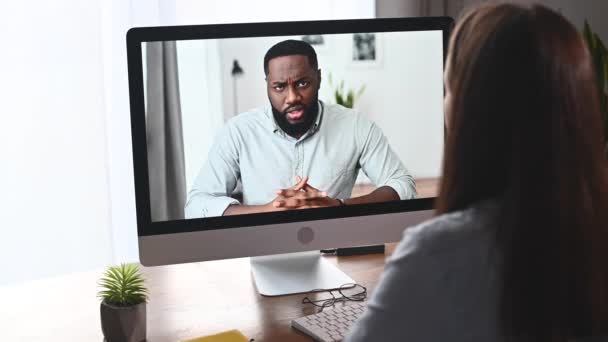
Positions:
(138, 35)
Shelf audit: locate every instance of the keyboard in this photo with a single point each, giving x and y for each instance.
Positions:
(331, 324)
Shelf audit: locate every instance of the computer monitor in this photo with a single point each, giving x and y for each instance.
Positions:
(269, 139)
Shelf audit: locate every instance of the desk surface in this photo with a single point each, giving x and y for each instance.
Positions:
(187, 301)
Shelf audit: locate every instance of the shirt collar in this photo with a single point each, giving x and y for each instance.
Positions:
(274, 127)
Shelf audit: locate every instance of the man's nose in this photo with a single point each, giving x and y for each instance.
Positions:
(293, 95)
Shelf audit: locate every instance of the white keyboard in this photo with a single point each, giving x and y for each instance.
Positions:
(331, 324)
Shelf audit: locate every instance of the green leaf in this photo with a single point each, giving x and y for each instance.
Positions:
(339, 99)
(350, 99)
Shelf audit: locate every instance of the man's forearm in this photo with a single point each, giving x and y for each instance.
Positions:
(382, 194)
(240, 209)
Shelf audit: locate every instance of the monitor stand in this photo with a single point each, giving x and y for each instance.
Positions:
(292, 273)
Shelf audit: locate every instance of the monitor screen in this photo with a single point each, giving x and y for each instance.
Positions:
(246, 125)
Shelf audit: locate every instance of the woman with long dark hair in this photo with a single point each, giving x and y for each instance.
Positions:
(519, 249)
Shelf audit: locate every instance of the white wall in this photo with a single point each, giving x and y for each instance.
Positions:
(405, 98)
(244, 11)
(54, 198)
(403, 91)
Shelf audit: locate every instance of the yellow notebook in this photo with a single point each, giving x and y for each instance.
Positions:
(226, 336)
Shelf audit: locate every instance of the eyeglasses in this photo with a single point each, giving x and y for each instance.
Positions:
(346, 292)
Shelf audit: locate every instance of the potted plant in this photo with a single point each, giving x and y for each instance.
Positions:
(345, 98)
(123, 304)
(599, 54)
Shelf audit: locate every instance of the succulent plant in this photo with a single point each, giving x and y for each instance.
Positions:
(123, 285)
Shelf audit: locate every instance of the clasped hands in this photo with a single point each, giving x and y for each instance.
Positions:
(301, 196)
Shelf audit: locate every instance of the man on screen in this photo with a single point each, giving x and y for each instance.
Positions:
(297, 153)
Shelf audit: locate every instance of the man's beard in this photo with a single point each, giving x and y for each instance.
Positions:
(297, 129)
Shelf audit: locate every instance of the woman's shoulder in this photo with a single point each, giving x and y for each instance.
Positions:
(452, 231)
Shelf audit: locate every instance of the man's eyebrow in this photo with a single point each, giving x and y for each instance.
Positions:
(305, 77)
(300, 78)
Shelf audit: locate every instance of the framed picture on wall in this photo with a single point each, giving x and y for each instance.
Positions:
(314, 39)
(366, 50)
(318, 41)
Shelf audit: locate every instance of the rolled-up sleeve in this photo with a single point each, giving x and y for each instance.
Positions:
(380, 163)
(217, 178)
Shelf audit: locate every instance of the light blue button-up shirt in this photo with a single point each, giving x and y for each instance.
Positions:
(253, 149)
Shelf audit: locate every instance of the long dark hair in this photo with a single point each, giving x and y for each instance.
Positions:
(524, 127)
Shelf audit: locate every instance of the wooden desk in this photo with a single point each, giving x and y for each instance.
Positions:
(425, 187)
(186, 301)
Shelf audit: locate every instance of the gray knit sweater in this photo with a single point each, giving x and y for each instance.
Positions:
(440, 284)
